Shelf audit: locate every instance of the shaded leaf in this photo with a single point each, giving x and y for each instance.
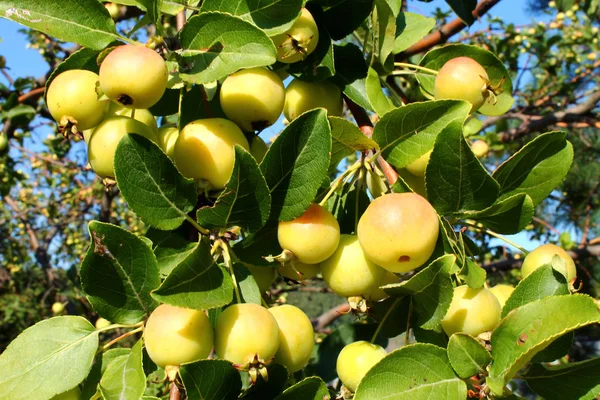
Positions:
(574, 381)
(411, 28)
(309, 388)
(124, 377)
(508, 216)
(467, 356)
(211, 380)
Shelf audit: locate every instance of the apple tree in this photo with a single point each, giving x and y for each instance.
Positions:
(401, 157)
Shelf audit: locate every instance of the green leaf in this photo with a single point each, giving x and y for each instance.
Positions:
(267, 390)
(416, 372)
(537, 169)
(118, 273)
(153, 8)
(90, 385)
(432, 291)
(272, 16)
(473, 274)
(350, 73)
(124, 377)
(151, 184)
(244, 202)
(48, 358)
(406, 133)
(170, 248)
(85, 22)
(380, 102)
(508, 216)
(311, 388)
(543, 282)
(167, 105)
(211, 380)
(464, 9)
(198, 282)
(253, 248)
(574, 381)
(555, 350)
(384, 31)
(411, 28)
(467, 356)
(247, 284)
(343, 205)
(495, 69)
(195, 104)
(346, 139)
(342, 17)
(297, 163)
(531, 328)
(455, 179)
(216, 45)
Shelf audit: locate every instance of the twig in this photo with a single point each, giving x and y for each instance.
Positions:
(329, 316)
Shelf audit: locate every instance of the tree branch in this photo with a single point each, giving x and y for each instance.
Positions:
(445, 32)
(329, 316)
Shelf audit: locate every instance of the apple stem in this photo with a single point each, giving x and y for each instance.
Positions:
(227, 261)
(416, 67)
(123, 336)
(339, 180)
(174, 393)
(200, 229)
(385, 317)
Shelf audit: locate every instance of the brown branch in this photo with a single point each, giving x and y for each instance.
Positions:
(366, 126)
(592, 250)
(33, 94)
(445, 32)
(329, 316)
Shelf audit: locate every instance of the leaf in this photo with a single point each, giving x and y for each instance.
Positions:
(85, 22)
(543, 282)
(406, 133)
(118, 273)
(537, 169)
(473, 274)
(170, 248)
(495, 69)
(48, 358)
(432, 291)
(455, 179)
(345, 209)
(467, 356)
(573, 381)
(267, 390)
(380, 102)
(195, 104)
(151, 184)
(309, 388)
(508, 216)
(415, 372)
(555, 350)
(342, 17)
(346, 139)
(464, 9)
(297, 163)
(152, 8)
(254, 247)
(211, 380)
(197, 282)
(272, 16)
(90, 385)
(350, 73)
(124, 377)
(410, 29)
(532, 327)
(384, 31)
(245, 201)
(216, 45)
(247, 284)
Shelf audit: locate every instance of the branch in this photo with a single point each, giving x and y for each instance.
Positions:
(329, 316)
(446, 31)
(535, 123)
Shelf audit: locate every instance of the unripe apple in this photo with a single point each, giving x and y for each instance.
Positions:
(355, 360)
(264, 276)
(299, 271)
(299, 41)
(480, 148)
(134, 76)
(105, 138)
(174, 335)
(502, 293)
(72, 95)
(379, 294)
(113, 10)
(418, 167)
(312, 237)
(102, 323)
(73, 394)
(301, 96)
(3, 142)
(167, 137)
(349, 273)
(258, 148)
(205, 150)
(244, 331)
(399, 231)
(296, 337)
(58, 307)
(472, 311)
(252, 98)
(543, 255)
(142, 115)
(462, 78)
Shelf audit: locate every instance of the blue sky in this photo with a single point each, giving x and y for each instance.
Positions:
(28, 62)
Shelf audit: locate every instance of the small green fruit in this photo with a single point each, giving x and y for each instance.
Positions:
(167, 137)
(355, 360)
(472, 311)
(462, 78)
(299, 41)
(543, 255)
(301, 96)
